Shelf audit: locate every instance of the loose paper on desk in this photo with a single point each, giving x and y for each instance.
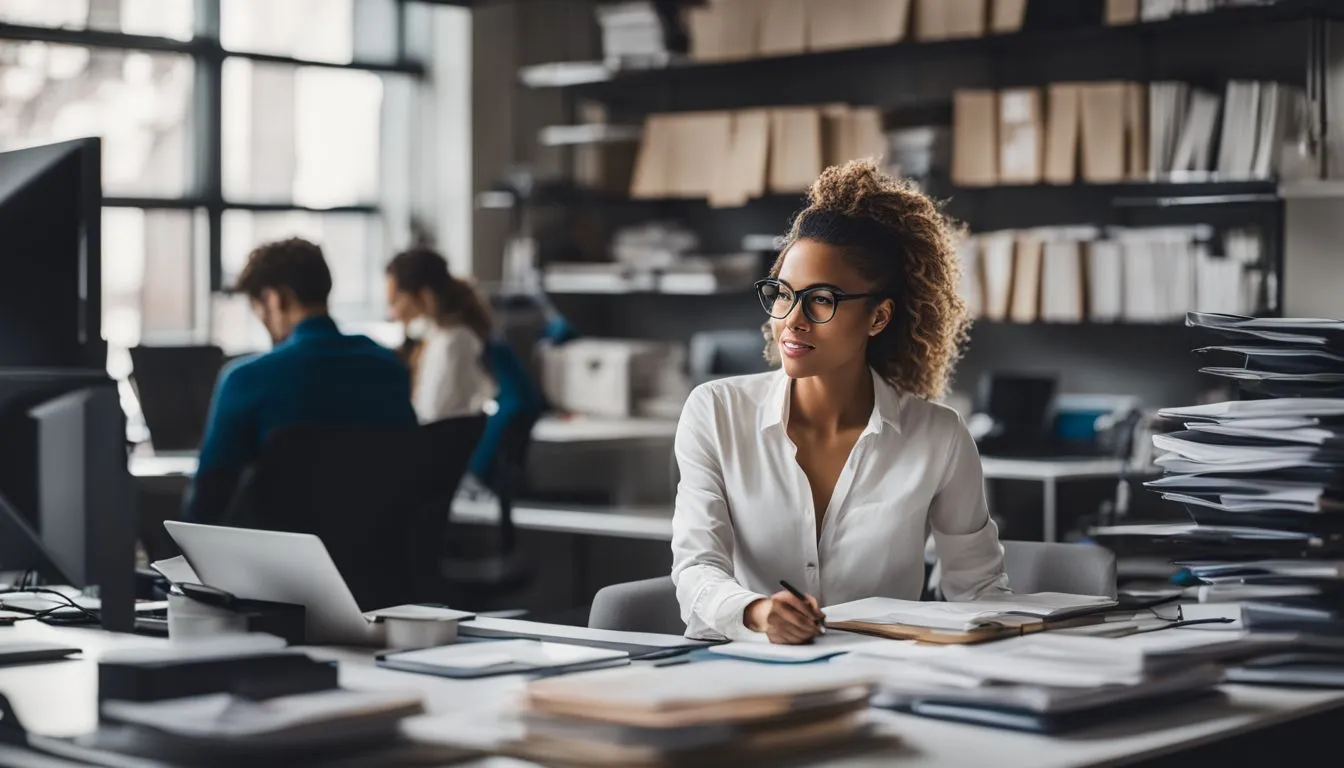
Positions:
(964, 616)
(834, 643)
(176, 570)
(529, 653)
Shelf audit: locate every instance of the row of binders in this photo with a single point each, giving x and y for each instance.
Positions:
(724, 30)
(731, 157)
(1111, 132)
(1080, 274)
(1262, 479)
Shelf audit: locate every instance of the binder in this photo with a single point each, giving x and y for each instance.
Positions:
(1103, 133)
(795, 148)
(742, 173)
(1061, 139)
(1105, 281)
(723, 30)
(1122, 12)
(996, 258)
(975, 148)
(784, 27)
(1136, 131)
(1007, 16)
(946, 19)
(971, 287)
(1020, 136)
(1062, 285)
(1194, 151)
(1029, 252)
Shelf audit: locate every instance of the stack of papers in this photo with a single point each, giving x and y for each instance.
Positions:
(1263, 477)
(732, 711)
(1050, 681)
(502, 657)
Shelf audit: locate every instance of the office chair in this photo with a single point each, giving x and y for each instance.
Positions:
(373, 495)
(478, 582)
(651, 605)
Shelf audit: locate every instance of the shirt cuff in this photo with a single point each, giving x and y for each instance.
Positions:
(725, 611)
(972, 563)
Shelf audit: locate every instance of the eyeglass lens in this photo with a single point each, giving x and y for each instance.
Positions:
(777, 300)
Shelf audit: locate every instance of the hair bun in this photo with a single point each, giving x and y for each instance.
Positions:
(848, 188)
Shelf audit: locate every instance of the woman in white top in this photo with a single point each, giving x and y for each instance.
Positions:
(831, 474)
(448, 370)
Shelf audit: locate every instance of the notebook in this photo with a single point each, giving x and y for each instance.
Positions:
(502, 657)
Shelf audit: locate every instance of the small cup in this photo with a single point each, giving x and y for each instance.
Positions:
(408, 634)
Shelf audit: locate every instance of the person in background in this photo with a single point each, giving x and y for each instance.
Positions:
(451, 325)
(314, 375)
(456, 366)
(832, 473)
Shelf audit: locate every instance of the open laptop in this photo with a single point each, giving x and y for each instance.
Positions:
(281, 567)
(174, 386)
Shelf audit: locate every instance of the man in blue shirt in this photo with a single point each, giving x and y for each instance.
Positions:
(314, 375)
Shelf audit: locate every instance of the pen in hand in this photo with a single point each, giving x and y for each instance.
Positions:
(821, 623)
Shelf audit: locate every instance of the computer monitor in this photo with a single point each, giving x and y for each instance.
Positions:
(50, 254)
(175, 385)
(66, 500)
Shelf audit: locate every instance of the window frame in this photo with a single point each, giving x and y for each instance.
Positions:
(205, 187)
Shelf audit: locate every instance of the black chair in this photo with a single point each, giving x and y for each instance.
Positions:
(374, 495)
(478, 582)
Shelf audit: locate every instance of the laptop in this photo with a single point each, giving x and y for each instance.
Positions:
(281, 567)
(175, 386)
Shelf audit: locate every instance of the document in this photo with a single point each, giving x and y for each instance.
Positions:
(224, 716)
(1255, 409)
(825, 646)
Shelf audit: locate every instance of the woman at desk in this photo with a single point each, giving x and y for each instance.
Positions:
(831, 474)
(450, 319)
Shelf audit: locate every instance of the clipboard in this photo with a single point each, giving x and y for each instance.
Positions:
(997, 631)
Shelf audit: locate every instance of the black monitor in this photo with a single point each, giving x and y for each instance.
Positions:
(175, 386)
(50, 253)
(66, 501)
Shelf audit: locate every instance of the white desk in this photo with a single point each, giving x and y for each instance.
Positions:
(652, 522)
(60, 699)
(1049, 472)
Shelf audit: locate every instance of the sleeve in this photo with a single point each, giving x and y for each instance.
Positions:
(446, 379)
(711, 600)
(966, 538)
(228, 447)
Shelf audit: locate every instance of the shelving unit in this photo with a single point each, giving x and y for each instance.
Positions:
(1286, 42)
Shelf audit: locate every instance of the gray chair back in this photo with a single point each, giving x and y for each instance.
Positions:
(1079, 569)
(1032, 566)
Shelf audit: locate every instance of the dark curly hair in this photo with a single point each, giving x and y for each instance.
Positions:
(294, 264)
(919, 270)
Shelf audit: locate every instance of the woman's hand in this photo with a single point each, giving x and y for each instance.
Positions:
(784, 618)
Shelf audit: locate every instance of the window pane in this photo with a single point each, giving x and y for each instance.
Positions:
(352, 243)
(303, 135)
(160, 18)
(150, 267)
(338, 31)
(138, 102)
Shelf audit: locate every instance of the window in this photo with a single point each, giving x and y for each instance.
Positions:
(156, 18)
(307, 135)
(138, 102)
(225, 123)
(337, 31)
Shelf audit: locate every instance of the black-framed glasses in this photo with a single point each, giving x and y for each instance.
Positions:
(819, 302)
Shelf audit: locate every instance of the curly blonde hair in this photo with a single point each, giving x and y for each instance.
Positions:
(919, 271)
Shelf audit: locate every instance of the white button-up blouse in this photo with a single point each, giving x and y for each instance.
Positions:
(744, 515)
